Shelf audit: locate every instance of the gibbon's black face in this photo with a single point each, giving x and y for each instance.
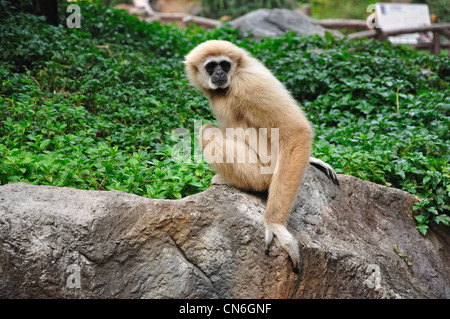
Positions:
(218, 71)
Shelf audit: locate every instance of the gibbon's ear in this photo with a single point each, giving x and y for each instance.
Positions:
(190, 65)
(185, 62)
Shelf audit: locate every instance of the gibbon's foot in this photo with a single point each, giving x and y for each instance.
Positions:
(325, 168)
(287, 241)
(219, 180)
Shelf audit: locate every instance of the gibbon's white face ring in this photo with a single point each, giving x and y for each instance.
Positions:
(217, 59)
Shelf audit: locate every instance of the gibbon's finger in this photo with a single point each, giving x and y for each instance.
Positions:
(333, 176)
(268, 240)
(325, 168)
(287, 241)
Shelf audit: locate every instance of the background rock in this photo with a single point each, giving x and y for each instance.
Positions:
(275, 22)
(68, 243)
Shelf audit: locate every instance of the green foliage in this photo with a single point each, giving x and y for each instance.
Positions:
(94, 108)
(235, 8)
(440, 8)
(347, 9)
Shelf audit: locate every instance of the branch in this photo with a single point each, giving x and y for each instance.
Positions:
(341, 23)
(363, 34)
(184, 18)
(440, 27)
(433, 27)
(146, 13)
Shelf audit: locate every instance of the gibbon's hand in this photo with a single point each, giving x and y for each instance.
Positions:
(287, 241)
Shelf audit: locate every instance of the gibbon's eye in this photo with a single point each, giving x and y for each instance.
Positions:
(225, 65)
(210, 67)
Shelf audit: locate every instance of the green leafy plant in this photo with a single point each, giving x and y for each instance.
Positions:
(94, 108)
(234, 8)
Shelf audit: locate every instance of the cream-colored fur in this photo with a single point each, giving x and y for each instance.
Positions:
(254, 98)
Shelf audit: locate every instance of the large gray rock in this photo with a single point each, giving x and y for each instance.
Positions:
(63, 243)
(275, 22)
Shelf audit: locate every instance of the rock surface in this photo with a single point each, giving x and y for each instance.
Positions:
(68, 243)
(275, 22)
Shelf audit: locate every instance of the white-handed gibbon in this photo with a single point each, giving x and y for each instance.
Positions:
(256, 116)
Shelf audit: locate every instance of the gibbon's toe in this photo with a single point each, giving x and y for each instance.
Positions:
(325, 168)
(268, 239)
(332, 175)
(287, 241)
(219, 180)
(336, 181)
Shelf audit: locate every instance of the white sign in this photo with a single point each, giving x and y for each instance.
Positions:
(392, 16)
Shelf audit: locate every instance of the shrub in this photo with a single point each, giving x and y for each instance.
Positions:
(94, 108)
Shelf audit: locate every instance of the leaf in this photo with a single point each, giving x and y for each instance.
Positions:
(420, 219)
(422, 229)
(196, 184)
(443, 218)
(177, 195)
(433, 210)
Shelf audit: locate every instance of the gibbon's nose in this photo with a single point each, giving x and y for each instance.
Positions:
(220, 73)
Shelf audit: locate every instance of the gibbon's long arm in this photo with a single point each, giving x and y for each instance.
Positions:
(282, 192)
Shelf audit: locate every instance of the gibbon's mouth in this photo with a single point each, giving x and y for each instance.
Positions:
(216, 84)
